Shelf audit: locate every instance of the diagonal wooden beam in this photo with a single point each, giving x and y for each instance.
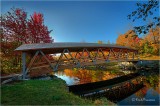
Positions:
(107, 58)
(57, 63)
(95, 58)
(114, 53)
(102, 53)
(118, 55)
(31, 62)
(66, 57)
(74, 59)
(89, 55)
(47, 59)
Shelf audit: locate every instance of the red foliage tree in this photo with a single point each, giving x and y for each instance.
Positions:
(37, 30)
(16, 29)
(13, 25)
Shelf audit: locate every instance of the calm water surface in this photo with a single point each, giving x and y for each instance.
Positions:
(148, 95)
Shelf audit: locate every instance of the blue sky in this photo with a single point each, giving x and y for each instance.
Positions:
(77, 21)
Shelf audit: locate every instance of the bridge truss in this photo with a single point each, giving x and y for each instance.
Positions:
(69, 57)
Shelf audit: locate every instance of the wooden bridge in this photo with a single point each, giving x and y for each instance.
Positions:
(67, 55)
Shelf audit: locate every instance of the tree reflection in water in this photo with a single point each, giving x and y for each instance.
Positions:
(87, 76)
(151, 82)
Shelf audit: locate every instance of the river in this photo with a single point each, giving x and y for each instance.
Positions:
(148, 95)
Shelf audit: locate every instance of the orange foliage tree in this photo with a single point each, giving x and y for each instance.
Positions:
(149, 44)
(151, 41)
(129, 39)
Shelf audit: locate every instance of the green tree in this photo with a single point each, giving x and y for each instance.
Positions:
(147, 48)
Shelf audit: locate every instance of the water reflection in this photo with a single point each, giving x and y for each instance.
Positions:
(144, 96)
(152, 81)
(148, 95)
(81, 76)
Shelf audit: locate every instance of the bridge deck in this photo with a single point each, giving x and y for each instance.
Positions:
(83, 88)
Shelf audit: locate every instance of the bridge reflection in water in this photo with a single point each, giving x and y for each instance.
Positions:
(114, 89)
(117, 93)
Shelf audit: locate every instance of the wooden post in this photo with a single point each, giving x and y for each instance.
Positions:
(31, 62)
(107, 58)
(138, 56)
(119, 53)
(23, 65)
(133, 56)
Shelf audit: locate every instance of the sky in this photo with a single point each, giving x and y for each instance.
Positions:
(81, 21)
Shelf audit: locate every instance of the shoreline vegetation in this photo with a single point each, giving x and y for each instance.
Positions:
(43, 92)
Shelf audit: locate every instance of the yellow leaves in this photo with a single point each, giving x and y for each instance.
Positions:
(127, 39)
(153, 35)
(100, 42)
(130, 39)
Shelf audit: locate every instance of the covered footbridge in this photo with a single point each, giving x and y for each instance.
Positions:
(67, 55)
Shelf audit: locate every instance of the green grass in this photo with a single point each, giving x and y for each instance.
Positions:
(40, 92)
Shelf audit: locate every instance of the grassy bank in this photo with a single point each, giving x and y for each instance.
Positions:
(42, 92)
(149, 57)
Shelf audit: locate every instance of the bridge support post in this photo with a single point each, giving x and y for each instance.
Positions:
(133, 56)
(23, 65)
(108, 56)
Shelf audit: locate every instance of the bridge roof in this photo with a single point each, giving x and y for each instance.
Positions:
(57, 47)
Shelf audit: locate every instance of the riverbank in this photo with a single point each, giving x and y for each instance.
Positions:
(43, 92)
(149, 57)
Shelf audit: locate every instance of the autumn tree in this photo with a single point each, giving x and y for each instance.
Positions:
(129, 39)
(17, 29)
(14, 25)
(13, 30)
(150, 43)
(100, 42)
(153, 36)
(37, 31)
